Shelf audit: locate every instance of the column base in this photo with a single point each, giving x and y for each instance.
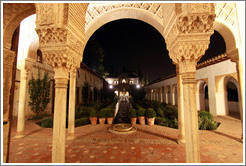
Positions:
(20, 135)
(181, 140)
(70, 136)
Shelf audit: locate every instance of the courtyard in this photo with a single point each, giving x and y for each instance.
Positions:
(149, 144)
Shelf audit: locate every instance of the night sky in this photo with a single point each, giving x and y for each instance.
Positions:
(130, 44)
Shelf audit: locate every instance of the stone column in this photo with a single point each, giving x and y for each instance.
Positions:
(61, 33)
(190, 111)
(241, 82)
(22, 103)
(181, 124)
(161, 94)
(59, 124)
(173, 95)
(8, 59)
(71, 114)
(238, 59)
(166, 93)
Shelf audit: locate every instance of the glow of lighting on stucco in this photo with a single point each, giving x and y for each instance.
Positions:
(138, 86)
(26, 37)
(111, 86)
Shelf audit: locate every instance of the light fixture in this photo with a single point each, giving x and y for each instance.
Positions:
(111, 86)
(138, 86)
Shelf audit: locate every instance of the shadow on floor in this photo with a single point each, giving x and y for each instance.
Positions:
(226, 135)
(158, 135)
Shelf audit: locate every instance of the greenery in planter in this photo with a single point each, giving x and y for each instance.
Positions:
(132, 113)
(110, 112)
(39, 91)
(93, 113)
(82, 121)
(150, 113)
(102, 113)
(141, 112)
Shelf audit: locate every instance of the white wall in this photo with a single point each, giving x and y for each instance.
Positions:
(216, 103)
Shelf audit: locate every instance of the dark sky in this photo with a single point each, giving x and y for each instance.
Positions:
(131, 43)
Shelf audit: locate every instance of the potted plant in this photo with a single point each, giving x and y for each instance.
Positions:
(141, 116)
(133, 116)
(93, 117)
(102, 114)
(150, 114)
(110, 116)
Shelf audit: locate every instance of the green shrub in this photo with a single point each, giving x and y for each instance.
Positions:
(150, 113)
(82, 121)
(155, 105)
(40, 116)
(163, 121)
(110, 112)
(102, 113)
(141, 112)
(163, 104)
(160, 112)
(205, 123)
(83, 111)
(93, 113)
(132, 113)
(170, 112)
(205, 114)
(39, 93)
(46, 123)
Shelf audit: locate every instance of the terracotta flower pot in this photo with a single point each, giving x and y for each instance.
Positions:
(102, 120)
(141, 120)
(93, 120)
(110, 120)
(133, 121)
(151, 121)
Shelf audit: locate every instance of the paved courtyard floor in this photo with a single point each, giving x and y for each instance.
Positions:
(149, 144)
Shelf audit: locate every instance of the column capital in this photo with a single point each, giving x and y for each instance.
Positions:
(72, 73)
(61, 77)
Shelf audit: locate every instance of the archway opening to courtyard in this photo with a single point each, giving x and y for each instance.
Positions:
(232, 98)
(131, 53)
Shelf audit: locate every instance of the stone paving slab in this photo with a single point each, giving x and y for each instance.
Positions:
(149, 144)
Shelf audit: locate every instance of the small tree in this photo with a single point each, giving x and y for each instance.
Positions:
(39, 91)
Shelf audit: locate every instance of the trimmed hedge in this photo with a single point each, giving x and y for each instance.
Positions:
(82, 121)
(132, 113)
(163, 121)
(46, 123)
(150, 113)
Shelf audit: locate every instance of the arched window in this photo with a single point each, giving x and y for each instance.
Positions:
(39, 56)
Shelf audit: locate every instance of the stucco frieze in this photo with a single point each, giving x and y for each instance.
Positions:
(52, 35)
(198, 23)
